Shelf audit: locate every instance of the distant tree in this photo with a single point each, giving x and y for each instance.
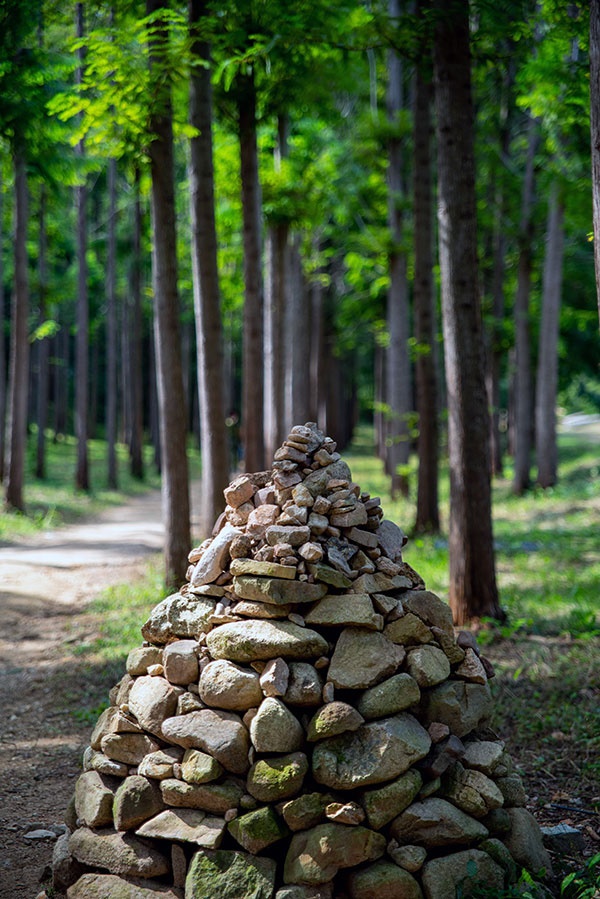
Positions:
(472, 587)
(111, 328)
(2, 332)
(43, 342)
(134, 308)
(595, 130)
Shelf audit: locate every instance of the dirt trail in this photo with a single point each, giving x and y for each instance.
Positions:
(45, 586)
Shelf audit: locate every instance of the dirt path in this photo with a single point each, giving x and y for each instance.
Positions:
(45, 586)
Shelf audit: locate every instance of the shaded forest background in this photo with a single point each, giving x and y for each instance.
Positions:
(219, 221)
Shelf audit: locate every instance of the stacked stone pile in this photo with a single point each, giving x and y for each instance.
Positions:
(301, 721)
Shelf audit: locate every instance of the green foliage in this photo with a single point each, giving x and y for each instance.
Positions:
(585, 883)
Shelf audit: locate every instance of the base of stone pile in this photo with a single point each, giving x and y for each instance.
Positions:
(301, 722)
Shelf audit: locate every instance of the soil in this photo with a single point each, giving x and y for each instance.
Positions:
(46, 584)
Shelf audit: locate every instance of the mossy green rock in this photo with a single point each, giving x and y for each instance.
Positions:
(258, 829)
(216, 798)
(199, 768)
(280, 777)
(248, 641)
(472, 869)
(306, 811)
(223, 874)
(333, 719)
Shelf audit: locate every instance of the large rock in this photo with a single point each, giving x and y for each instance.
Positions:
(430, 609)
(215, 556)
(277, 590)
(180, 660)
(376, 752)
(221, 734)
(117, 853)
(247, 641)
(278, 777)
(109, 886)
(152, 699)
(383, 880)
(185, 825)
(393, 695)
(391, 539)
(525, 843)
(470, 870)
(462, 706)
(136, 800)
(230, 875)
(316, 855)
(362, 659)
(228, 686)
(94, 795)
(178, 616)
(262, 569)
(274, 728)
(472, 791)
(428, 665)
(435, 822)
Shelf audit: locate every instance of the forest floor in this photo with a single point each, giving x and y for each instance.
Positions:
(51, 694)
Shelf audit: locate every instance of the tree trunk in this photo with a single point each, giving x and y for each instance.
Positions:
(61, 385)
(523, 379)
(427, 516)
(252, 374)
(297, 344)
(472, 581)
(595, 131)
(547, 372)
(171, 405)
(82, 477)
(207, 303)
(43, 345)
(19, 350)
(2, 337)
(398, 361)
(136, 439)
(111, 329)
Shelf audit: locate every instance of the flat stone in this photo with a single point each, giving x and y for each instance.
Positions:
(305, 685)
(136, 800)
(239, 491)
(159, 765)
(278, 777)
(391, 540)
(251, 609)
(186, 825)
(141, 657)
(350, 518)
(464, 707)
(230, 875)
(362, 658)
(215, 556)
(94, 795)
(128, 748)
(471, 871)
(430, 609)
(180, 660)
(306, 811)
(274, 728)
(333, 719)
(199, 767)
(393, 695)
(380, 583)
(350, 609)
(178, 616)
(316, 855)
(219, 733)
(97, 761)
(408, 630)
(363, 538)
(318, 480)
(117, 853)
(152, 699)
(277, 590)
(435, 822)
(383, 880)
(262, 569)
(228, 686)
(385, 803)
(376, 752)
(110, 886)
(215, 798)
(295, 535)
(564, 839)
(428, 665)
(258, 829)
(251, 640)
(329, 575)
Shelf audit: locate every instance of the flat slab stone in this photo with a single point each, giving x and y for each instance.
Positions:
(277, 590)
(329, 575)
(215, 798)
(435, 822)
(230, 875)
(117, 853)
(188, 825)
(349, 609)
(248, 641)
(316, 855)
(262, 569)
(362, 658)
(380, 583)
(178, 616)
(221, 734)
(109, 886)
(376, 752)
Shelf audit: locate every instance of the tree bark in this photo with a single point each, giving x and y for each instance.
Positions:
(207, 302)
(523, 434)
(82, 477)
(547, 372)
(297, 343)
(595, 131)
(171, 404)
(427, 516)
(398, 360)
(43, 344)
(111, 329)
(19, 350)
(472, 583)
(136, 439)
(2, 337)
(252, 374)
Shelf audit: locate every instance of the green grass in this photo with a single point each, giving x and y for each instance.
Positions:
(53, 501)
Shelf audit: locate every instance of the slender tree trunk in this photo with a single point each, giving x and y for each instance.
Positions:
(297, 343)
(427, 516)
(171, 405)
(19, 351)
(2, 337)
(136, 441)
(82, 477)
(252, 374)
(43, 345)
(547, 373)
(523, 378)
(379, 416)
(111, 329)
(472, 582)
(154, 411)
(398, 361)
(61, 387)
(207, 301)
(595, 131)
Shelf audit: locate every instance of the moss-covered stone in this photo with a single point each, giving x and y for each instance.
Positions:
(280, 777)
(258, 829)
(229, 875)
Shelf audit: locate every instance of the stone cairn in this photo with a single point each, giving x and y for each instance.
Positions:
(301, 721)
